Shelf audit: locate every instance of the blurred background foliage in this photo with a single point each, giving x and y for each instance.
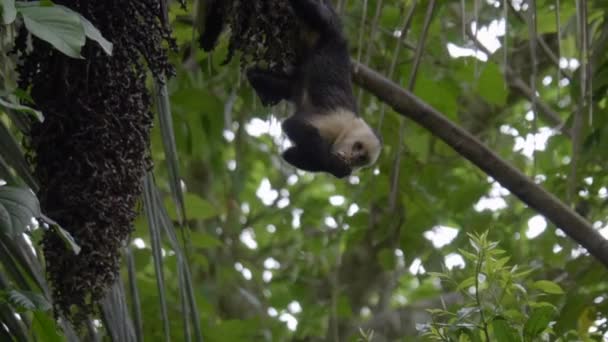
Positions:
(276, 254)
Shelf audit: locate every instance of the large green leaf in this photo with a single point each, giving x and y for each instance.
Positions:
(538, 321)
(53, 24)
(93, 33)
(27, 300)
(17, 208)
(491, 85)
(548, 287)
(45, 328)
(8, 10)
(503, 332)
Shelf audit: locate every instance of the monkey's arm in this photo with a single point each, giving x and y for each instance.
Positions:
(311, 152)
(270, 87)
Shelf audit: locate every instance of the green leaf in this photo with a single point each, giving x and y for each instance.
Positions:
(17, 208)
(538, 321)
(28, 300)
(9, 12)
(62, 29)
(344, 309)
(548, 287)
(503, 332)
(196, 207)
(491, 85)
(35, 113)
(466, 283)
(45, 328)
(93, 33)
(204, 240)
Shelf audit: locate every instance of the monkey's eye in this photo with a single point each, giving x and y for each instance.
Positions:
(358, 146)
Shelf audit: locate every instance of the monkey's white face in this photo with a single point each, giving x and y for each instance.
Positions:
(358, 145)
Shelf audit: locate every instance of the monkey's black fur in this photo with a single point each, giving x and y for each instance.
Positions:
(318, 83)
(215, 13)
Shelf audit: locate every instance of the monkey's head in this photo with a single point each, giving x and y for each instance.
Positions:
(358, 145)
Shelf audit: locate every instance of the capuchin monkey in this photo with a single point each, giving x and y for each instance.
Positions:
(327, 132)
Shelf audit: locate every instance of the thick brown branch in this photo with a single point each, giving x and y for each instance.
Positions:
(472, 149)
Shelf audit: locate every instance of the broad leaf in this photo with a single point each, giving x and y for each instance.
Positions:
(45, 328)
(93, 33)
(548, 287)
(17, 208)
(538, 321)
(503, 332)
(8, 10)
(27, 300)
(62, 29)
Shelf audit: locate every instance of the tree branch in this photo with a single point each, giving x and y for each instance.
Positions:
(407, 104)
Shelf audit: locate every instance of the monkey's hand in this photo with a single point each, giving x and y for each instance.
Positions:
(317, 162)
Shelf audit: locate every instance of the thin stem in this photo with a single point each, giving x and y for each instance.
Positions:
(484, 325)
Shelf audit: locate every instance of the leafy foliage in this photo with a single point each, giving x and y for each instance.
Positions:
(497, 303)
(265, 252)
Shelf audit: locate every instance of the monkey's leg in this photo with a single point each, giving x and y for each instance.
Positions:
(214, 23)
(270, 87)
(315, 13)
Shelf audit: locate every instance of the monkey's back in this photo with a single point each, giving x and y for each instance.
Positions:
(323, 72)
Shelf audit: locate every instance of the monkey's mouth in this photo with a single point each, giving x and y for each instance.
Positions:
(343, 157)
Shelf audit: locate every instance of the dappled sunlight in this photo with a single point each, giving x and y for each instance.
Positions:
(244, 271)
(441, 236)
(294, 307)
(271, 264)
(536, 226)
(330, 222)
(416, 267)
(487, 36)
(139, 243)
(271, 228)
(557, 248)
(453, 260)
(247, 237)
(352, 209)
(336, 200)
(533, 142)
(296, 213)
(290, 320)
(265, 192)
